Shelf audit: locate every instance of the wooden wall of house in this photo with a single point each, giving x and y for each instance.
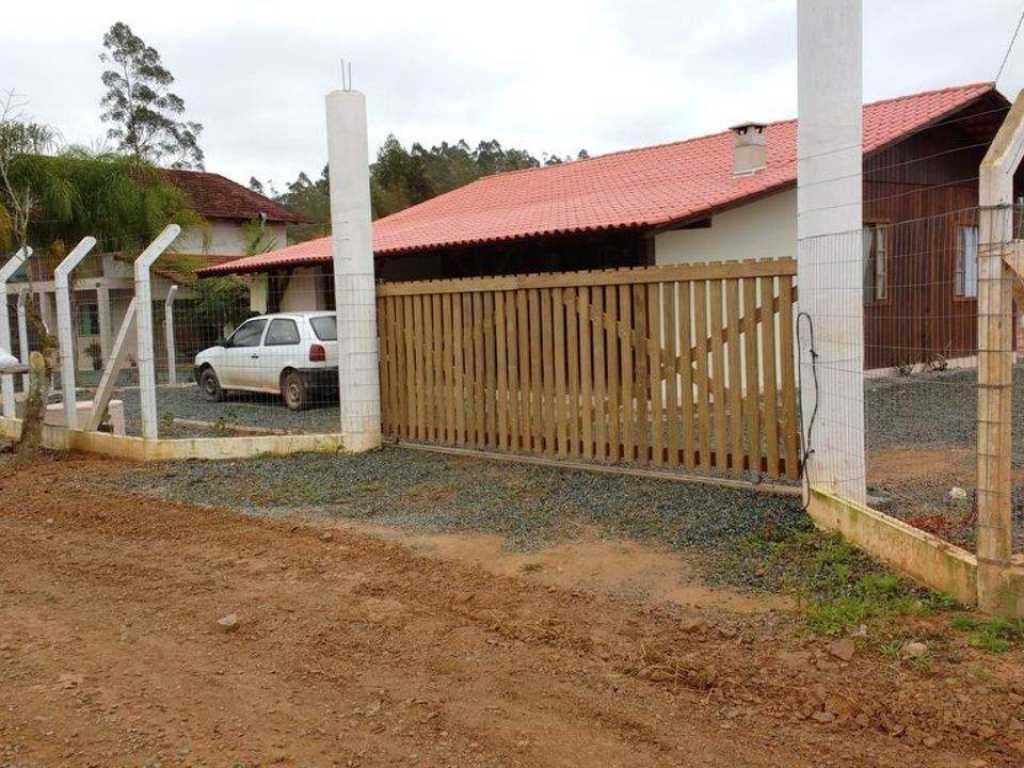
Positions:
(923, 190)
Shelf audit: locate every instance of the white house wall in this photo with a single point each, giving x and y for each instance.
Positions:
(225, 238)
(765, 228)
(301, 293)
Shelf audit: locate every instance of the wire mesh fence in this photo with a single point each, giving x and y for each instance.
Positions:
(919, 298)
(247, 356)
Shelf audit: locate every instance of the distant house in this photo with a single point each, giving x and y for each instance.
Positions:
(236, 221)
(729, 195)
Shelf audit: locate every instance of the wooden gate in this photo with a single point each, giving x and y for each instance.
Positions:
(681, 366)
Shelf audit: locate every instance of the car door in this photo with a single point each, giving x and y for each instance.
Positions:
(241, 356)
(281, 349)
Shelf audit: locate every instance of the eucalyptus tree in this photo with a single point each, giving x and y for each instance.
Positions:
(145, 115)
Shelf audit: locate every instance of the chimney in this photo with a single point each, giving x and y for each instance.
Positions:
(749, 152)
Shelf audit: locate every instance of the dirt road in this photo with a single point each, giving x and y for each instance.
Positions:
(352, 650)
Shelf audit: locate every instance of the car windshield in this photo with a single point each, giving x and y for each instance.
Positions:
(325, 327)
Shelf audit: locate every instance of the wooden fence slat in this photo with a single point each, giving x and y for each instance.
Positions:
(525, 412)
(411, 374)
(601, 450)
(448, 364)
(752, 396)
(587, 352)
(427, 352)
(790, 428)
(718, 373)
(573, 361)
(469, 352)
(479, 384)
(672, 424)
(438, 365)
(501, 396)
(654, 347)
(547, 341)
(512, 339)
(626, 372)
(700, 321)
(458, 349)
(534, 356)
(611, 331)
(641, 393)
(771, 390)
(735, 383)
(490, 378)
(560, 406)
(686, 374)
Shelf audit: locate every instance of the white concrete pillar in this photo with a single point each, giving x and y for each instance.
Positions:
(829, 234)
(65, 328)
(106, 325)
(172, 369)
(23, 334)
(47, 314)
(354, 290)
(144, 328)
(7, 271)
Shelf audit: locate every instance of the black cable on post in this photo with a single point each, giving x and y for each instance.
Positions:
(805, 434)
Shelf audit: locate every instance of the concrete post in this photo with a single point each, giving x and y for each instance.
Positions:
(144, 328)
(172, 370)
(829, 234)
(46, 312)
(7, 271)
(65, 329)
(354, 290)
(995, 364)
(103, 310)
(23, 334)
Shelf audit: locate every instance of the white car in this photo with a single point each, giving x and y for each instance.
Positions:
(292, 354)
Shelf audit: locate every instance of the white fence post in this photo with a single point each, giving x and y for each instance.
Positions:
(65, 328)
(829, 239)
(144, 328)
(172, 370)
(7, 271)
(23, 295)
(354, 288)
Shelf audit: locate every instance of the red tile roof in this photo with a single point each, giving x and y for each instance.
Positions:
(647, 187)
(216, 197)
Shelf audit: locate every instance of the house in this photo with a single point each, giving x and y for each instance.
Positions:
(236, 222)
(729, 195)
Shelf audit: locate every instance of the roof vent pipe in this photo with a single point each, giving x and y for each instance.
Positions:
(749, 152)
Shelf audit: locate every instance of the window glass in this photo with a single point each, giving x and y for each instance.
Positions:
(325, 327)
(876, 262)
(966, 276)
(249, 333)
(88, 320)
(281, 332)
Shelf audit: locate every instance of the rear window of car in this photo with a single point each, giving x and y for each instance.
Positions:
(325, 327)
(281, 333)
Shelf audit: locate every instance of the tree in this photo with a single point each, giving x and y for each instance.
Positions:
(144, 113)
(19, 196)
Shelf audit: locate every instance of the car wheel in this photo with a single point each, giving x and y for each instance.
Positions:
(209, 385)
(293, 390)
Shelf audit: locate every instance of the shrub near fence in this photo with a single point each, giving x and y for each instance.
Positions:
(681, 366)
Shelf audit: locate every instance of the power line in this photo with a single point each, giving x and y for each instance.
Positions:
(1009, 48)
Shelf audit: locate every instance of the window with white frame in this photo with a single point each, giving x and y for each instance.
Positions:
(965, 278)
(876, 263)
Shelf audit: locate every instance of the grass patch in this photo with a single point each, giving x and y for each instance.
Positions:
(992, 635)
(838, 586)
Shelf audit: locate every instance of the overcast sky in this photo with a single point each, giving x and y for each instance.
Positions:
(547, 76)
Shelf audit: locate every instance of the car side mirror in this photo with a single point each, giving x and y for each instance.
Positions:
(222, 342)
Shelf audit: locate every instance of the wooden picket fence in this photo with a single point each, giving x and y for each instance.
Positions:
(680, 366)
